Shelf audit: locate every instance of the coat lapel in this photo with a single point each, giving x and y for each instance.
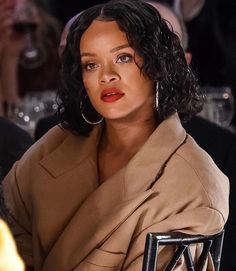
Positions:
(144, 167)
(108, 206)
(73, 151)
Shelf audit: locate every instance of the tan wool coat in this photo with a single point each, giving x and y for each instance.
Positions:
(64, 220)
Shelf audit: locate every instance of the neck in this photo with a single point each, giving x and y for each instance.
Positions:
(119, 136)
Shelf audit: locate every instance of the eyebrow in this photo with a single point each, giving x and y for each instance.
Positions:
(113, 50)
(119, 48)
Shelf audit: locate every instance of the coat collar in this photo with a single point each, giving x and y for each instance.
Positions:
(75, 149)
(71, 152)
(103, 212)
(143, 168)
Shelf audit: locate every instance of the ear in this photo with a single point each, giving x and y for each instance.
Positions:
(188, 57)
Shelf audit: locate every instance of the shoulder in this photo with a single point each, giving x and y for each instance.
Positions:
(57, 152)
(50, 141)
(28, 169)
(201, 173)
(198, 160)
(191, 190)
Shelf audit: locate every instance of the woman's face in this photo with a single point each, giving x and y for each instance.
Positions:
(111, 73)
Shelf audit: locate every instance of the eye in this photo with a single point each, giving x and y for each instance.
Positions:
(89, 66)
(125, 58)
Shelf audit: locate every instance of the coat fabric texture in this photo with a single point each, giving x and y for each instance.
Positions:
(64, 220)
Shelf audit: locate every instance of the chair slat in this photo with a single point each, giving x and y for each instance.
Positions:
(212, 244)
(189, 260)
(203, 257)
(179, 252)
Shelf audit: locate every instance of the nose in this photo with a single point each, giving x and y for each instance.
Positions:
(108, 75)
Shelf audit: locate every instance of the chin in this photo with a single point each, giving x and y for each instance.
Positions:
(113, 115)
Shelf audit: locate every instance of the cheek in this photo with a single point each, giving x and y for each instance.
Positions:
(90, 88)
(89, 81)
(87, 84)
(85, 79)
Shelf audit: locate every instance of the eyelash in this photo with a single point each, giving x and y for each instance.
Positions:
(120, 59)
(130, 58)
(87, 65)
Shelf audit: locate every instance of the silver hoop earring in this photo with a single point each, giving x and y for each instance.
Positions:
(91, 122)
(85, 118)
(157, 96)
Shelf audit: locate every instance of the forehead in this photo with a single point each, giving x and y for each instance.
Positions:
(104, 33)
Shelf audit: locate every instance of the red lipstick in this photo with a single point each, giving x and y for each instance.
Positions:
(111, 95)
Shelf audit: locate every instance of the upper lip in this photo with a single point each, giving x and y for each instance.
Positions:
(110, 91)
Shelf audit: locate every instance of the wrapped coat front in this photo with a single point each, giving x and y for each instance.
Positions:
(65, 220)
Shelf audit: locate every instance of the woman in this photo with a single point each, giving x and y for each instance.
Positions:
(85, 196)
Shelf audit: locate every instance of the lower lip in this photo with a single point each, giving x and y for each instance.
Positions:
(112, 98)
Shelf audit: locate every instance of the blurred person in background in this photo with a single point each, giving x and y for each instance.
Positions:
(13, 140)
(187, 9)
(13, 143)
(16, 79)
(7, 38)
(46, 123)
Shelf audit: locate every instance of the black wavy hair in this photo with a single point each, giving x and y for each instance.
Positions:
(150, 37)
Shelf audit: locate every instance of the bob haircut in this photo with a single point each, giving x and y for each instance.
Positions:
(151, 38)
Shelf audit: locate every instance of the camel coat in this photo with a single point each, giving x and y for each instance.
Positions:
(64, 220)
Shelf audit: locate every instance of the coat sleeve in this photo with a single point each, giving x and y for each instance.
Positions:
(19, 217)
(201, 220)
